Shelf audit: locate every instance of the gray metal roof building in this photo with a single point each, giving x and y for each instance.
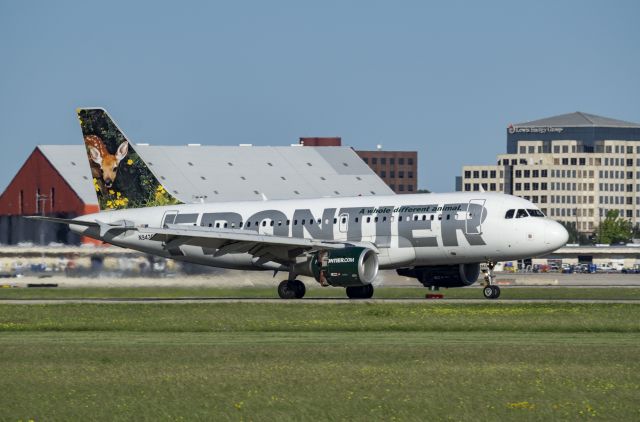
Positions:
(230, 173)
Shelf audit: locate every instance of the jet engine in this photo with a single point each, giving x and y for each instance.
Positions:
(344, 267)
(459, 275)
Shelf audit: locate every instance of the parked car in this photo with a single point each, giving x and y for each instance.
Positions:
(605, 268)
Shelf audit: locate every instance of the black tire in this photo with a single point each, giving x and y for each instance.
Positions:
(360, 292)
(496, 292)
(286, 290)
(299, 288)
(488, 292)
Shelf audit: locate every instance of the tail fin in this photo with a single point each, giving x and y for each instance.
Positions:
(121, 178)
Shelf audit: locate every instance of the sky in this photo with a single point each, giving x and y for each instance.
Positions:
(442, 78)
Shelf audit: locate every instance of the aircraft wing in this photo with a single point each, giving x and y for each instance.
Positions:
(224, 241)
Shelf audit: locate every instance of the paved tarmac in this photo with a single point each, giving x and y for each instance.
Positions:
(325, 301)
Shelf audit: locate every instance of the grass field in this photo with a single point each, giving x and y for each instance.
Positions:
(382, 361)
(617, 293)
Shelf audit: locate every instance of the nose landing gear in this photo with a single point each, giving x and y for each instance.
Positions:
(490, 290)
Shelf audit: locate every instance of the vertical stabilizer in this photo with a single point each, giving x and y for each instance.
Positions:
(121, 178)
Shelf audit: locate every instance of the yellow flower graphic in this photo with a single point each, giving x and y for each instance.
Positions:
(129, 161)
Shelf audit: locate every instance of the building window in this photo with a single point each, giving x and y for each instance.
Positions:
(401, 174)
(401, 161)
(401, 188)
(476, 174)
(485, 174)
(409, 188)
(366, 160)
(392, 161)
(383, 174)
(410, 161)
(383, 160)
(467, 174)
(493, 174)
(467, 187)
(374, 160)
(410, 175)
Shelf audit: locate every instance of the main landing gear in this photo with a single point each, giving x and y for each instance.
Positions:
(490, 290)
(360, 292)
(291, 289)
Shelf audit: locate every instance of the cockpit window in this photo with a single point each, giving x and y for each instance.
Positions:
(535, 213)
(509, 214)
(521, 214)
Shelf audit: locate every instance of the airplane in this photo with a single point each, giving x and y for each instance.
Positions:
(439, 239)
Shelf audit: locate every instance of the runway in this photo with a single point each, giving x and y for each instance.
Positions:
(314, 301)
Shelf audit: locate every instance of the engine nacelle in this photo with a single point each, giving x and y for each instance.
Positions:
(459, 275)
(345, 267)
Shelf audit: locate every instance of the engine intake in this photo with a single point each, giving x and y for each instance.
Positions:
(460, 275)
(345, 267)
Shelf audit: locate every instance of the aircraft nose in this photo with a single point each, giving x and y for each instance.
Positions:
(555, 235)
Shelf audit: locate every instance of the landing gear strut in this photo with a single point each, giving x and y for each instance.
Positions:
(490, 290)
(291, 289)
(360, 292)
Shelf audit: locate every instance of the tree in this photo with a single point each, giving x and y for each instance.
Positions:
(615, 229)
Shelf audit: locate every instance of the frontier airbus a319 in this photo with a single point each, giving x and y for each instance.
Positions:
(439, 239)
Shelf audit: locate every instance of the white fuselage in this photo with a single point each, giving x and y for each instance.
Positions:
(407, 230)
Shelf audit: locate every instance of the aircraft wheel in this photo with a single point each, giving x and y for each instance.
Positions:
(299, 288)
(360, 292)
(286, 290)
(491, 292)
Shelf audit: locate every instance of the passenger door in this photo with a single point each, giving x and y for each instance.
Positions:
(475, 210)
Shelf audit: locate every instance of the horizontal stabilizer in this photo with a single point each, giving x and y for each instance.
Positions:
(63, 221)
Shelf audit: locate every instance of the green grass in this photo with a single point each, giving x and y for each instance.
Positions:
(614, 293)
(276, 361)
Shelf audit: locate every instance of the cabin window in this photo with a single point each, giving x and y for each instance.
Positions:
(535, 213)
(344, 220)
(521, 214)
(357, 219)
(271, 223)
(399, 218)
(264, 223)
(368, 219)
(335, 220)
(448, 216)
(217, 225)
(509, 214)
